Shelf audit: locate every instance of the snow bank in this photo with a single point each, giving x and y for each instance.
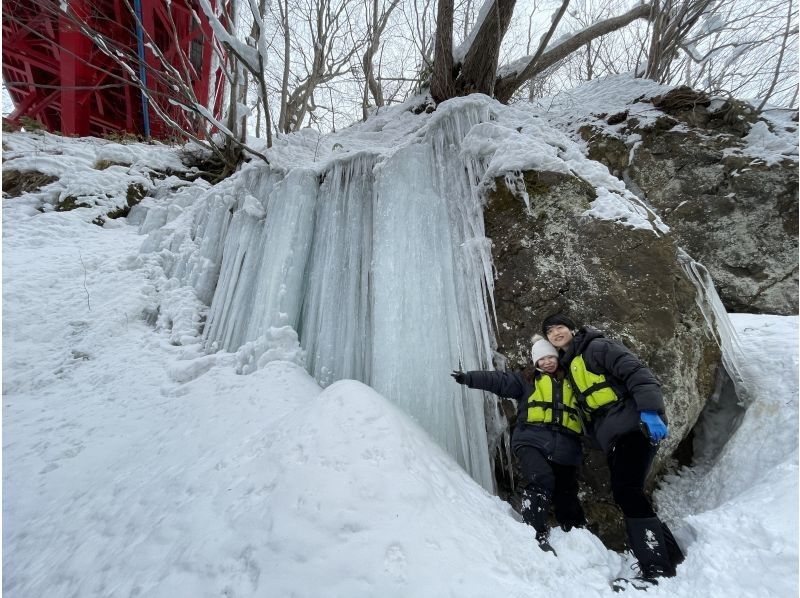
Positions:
(93, 173)
(739, 503)
(134, 466)
(771, 146)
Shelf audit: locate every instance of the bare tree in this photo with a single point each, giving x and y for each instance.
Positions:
(283, 8)
(784, 44)
(740, 49)
(377, 19)
(620, 51)
(324, 39)
(421, 23)
(244, 59)
(672, 24)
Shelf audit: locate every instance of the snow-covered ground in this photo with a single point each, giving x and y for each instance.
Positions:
(119, 480)
(137, 466)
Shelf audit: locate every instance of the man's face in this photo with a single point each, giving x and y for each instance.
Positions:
(548, 364)
(559, 336)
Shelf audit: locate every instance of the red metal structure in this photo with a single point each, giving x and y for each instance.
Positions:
(59, 75)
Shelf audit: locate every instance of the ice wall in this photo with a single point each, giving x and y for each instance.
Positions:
(377, 259)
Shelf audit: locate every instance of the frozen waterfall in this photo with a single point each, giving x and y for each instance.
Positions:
(377, 260)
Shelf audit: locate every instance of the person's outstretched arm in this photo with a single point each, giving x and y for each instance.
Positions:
(500, 383)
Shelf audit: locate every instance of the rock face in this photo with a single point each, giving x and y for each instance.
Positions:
(736, 215)
(623, 281)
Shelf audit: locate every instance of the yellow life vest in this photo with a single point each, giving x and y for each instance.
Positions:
(593, 390)
(544, 407)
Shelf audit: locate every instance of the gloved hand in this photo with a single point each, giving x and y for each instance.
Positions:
(459, 376)
(656, 428)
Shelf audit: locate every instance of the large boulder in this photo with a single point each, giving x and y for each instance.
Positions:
(624, 281)
(735, 213)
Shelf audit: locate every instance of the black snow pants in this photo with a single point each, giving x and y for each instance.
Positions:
(629, 462)
(556, 481)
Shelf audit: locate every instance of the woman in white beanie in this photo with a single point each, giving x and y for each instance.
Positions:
(546, 438)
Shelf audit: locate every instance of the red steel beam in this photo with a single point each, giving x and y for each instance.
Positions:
(57, 75)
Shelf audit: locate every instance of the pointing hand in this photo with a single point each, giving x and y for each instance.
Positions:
(459, 376)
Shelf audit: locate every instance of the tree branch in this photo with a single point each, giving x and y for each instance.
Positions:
(507, 84)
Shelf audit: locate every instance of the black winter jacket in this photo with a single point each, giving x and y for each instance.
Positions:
(630, 379)
(560, 447)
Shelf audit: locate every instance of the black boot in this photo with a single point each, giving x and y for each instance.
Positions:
(674, 551)
(569, 512)
(649, 546)
(566, 504)
(535, 508)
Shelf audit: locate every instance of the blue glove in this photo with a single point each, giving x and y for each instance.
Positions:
(656, 428)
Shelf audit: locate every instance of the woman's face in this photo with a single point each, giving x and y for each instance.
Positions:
(548, 364)
(559, 336)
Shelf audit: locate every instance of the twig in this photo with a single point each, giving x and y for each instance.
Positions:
(88, 304)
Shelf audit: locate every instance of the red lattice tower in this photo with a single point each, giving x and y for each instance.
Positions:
(60, 77)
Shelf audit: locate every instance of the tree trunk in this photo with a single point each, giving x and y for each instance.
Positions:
(480, 63)
(283, 125)
(442, 87)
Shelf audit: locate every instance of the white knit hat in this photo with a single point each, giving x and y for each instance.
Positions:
(541, 348)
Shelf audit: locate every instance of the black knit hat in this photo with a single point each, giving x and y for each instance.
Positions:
(555, 320)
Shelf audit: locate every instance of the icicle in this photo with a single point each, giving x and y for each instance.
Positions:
(286, 241)
(232, 303)
(718, 322)
(431, 278)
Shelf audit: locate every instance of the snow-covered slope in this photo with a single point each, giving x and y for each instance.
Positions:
(135, 467)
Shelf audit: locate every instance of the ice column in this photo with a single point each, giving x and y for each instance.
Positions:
(719, 323)
(335, 327)
(428, 313)
(265, 254)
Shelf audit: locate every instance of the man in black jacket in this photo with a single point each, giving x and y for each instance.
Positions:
(622, 401)
(546, 438)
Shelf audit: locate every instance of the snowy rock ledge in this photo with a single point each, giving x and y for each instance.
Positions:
(721, 175)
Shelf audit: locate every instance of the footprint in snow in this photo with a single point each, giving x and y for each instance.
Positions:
(395, 562)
